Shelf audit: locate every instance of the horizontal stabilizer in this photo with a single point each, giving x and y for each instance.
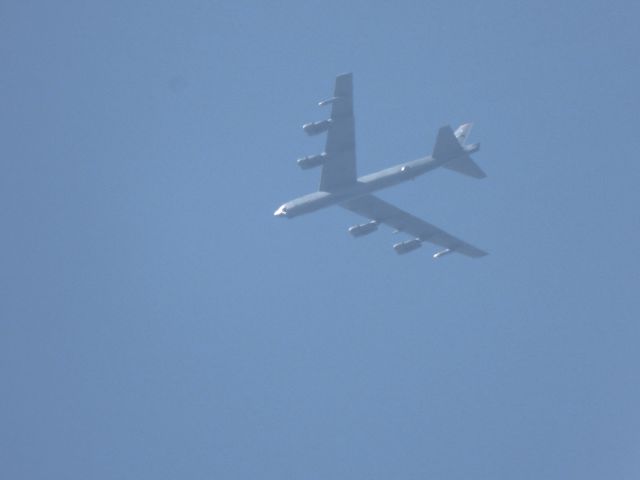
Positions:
(463, 132)
(465, 166)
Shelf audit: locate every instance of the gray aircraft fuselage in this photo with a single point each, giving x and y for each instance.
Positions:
(364, 185)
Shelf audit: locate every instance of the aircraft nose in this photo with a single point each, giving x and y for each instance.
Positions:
(281, 211)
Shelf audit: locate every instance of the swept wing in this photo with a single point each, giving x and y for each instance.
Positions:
(372, 207)
(339, 169)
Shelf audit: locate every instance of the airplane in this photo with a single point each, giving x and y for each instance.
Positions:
(340, 185)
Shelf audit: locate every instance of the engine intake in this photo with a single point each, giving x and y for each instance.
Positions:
(407, 246)
(364, 229)
(312, 161)
(315, 128)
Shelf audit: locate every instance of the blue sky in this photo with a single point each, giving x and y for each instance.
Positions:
(158, 322)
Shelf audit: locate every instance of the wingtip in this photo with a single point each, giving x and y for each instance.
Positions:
(343, 85)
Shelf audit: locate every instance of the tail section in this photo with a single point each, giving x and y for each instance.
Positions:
(447, 146)
(451, 148)
(465, 166)
(463, 132)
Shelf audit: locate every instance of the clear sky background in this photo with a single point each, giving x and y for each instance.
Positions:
(157, 322)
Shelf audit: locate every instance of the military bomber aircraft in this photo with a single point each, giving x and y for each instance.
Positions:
(340, 185)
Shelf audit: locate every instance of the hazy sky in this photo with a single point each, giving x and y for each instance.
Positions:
(157, 322)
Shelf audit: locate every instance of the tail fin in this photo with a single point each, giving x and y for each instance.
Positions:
(447, 146)
(450, 148)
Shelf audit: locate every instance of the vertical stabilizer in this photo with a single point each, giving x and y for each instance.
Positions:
(447, 146)
(451, 148)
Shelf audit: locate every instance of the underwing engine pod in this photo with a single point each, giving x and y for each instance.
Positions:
(315, 128)
(407, 246)
(312, 161)
(442, 253)
(364, 229)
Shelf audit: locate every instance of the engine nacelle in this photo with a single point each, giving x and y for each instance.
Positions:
(442, 253)
(315, 128)
(312, 161)
(408, 246)
(364, 229)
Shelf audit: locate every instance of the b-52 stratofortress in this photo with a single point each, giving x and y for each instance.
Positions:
(340, 185)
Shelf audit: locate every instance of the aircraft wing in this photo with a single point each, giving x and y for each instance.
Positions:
(340, 167)
(372, 207)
